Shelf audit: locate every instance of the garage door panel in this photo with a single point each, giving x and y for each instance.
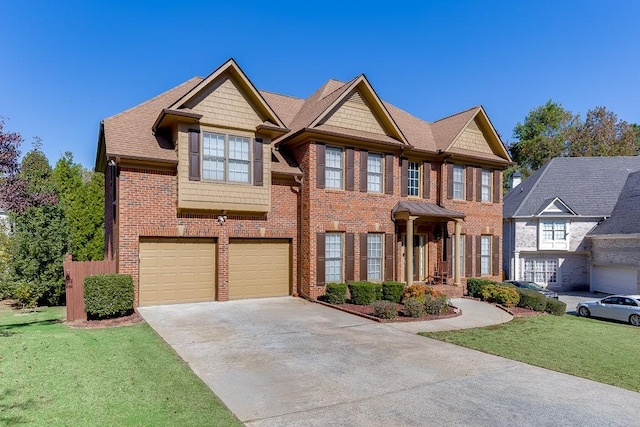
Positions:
(177, 271)
(259, 268)
(615, 279)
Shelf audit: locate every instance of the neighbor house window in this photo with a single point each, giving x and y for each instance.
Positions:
(486, 185)
(374, 173)
(541, 271)
(374, 256)
(334, 168)
(553, 234)
(225, 157)
(485, 255)
(458, 257)
(458, 182)
(413, 179)
(333, 258)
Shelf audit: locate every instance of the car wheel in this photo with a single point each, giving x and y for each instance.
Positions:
(584, 312)
(634, 319)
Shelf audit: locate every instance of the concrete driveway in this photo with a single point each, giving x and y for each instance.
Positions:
(286, 361)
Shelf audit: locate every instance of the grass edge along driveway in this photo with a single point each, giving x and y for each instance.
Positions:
(588, 348)
(52, 374)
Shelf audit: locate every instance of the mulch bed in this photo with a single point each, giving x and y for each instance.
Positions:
(522, 312)
(366, 311)
(132, 319)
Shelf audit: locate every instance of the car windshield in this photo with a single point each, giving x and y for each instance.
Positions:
(530, 285)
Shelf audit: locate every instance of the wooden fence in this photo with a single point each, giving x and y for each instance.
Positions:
(74, 275)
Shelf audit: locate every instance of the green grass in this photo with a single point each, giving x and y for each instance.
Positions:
(52, 374)
(601, 351)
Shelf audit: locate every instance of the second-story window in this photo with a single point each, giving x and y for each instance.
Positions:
(334, 168)
(458, 182)
(225, 157)
(374, 173)
(413, 179)
(486, 185)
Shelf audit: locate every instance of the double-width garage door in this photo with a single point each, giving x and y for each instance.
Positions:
(259, 268)
(177, 270)
(615, 279)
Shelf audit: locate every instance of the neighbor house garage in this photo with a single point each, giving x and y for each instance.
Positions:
(615, 279)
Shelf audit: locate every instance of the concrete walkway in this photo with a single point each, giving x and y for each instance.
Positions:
(290, 362)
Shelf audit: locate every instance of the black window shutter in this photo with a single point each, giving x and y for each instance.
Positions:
(320, 165)
(389, 250)
(426, 180)
(468, 270)
(450, 181)
(364, 158)
(479, 184)
(388, 164)
(257, 162)
(350, 178)
(497, 185)
(469, 183)
(349, 242)
(495, 252)
(478, 256)
(404, 176)
(194, 155)
(320, 259)
(363, 256)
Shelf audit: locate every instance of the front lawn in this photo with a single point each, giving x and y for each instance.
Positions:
(52, 374)
(601, 351)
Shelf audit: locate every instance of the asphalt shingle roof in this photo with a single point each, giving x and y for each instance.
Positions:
(625, 218)
(590, 186)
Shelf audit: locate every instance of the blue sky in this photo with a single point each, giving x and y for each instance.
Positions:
(66, 65)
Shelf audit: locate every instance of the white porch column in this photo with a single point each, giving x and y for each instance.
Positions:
(409, 250)
(456, 261)
(516, 266)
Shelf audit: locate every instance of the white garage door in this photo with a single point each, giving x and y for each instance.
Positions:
(615, 280)
(177, 271)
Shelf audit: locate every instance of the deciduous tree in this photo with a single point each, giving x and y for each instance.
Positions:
(602, 134)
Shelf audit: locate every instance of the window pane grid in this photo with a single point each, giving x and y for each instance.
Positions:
(333, 168)
(217, 166)
(413, 179)
(374, 173)
(458, 182)
(333, 258)
(486, 186)
(541, 271)
(485, 255)
(374, 257)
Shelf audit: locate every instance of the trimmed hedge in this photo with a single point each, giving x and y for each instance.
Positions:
(108, 295)
(364, 293)
(556, 307)
(532, 300)
(392, 291)
(475, 286)
(336, 293)
(385, 309)
(500, 295)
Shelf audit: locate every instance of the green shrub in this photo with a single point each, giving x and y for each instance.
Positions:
(392, 291)
(500, 295)
(27, 293)
(385, 309)
(364, 293)
(414, 307)
(108, 295)
(436, 304)
(475, 286)
(532, 300)
(336, 293)
(415, 291)
(556, 307)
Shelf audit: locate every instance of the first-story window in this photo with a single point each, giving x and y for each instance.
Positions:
(413, 179)
(485, 255)
(334, 168)
(541, 271)
(486, 185)
(458, 182)
(333, 258)
(374, 257)
(225, 157)
(458, 257)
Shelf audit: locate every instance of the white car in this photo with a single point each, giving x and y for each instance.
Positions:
(625, 308)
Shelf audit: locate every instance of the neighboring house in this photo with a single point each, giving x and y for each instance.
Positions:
(615, 245)
(547, 218)
(216, 191)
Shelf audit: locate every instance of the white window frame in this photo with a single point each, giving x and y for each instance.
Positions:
(334, 258)
(413, 179)
(375, 257)
(540, 271)
(222, 163)
(486, 185)
(461, 257)
(553, 234)
(485, 255)
(459, 182)
(334, 171)
(374, 172)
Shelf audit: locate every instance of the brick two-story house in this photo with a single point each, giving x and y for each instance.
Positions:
(218, 191)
